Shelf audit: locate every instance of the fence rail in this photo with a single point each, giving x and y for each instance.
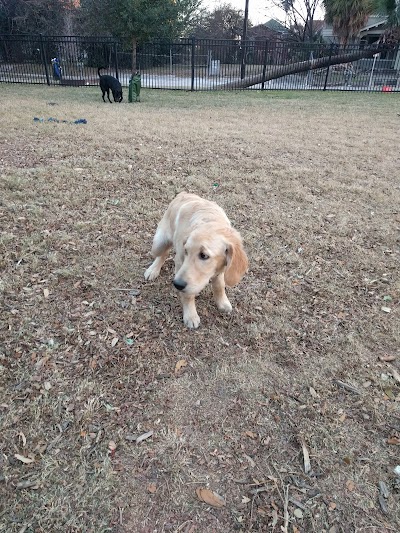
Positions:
(195, 64)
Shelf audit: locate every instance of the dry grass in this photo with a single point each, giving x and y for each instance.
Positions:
(311, 181)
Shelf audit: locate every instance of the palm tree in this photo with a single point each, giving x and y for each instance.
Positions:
(348, 16)
(392, 9)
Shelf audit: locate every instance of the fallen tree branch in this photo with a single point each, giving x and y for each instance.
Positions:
(303, 66)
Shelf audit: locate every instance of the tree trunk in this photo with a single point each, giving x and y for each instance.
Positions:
(134, 57)
(302, 66)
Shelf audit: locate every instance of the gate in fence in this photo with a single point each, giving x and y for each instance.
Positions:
(200, 64)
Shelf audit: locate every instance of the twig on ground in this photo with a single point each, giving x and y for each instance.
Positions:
(123, 289)
(296, 503)
(285, 510)
(346, 386)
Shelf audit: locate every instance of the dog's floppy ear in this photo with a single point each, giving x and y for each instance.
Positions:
(236, 259)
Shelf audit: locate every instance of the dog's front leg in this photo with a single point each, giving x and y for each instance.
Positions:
(190, 317)
(221, 299)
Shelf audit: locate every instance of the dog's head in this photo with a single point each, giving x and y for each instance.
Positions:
(208, 253)
(117, 94)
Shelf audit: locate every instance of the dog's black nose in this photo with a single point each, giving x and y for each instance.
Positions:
(180, 285)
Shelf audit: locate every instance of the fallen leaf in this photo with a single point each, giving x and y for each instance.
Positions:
(395, 374)
(350, 485)
(144, 436)
(274, 517)
(332, 506)
(25, 460)
(313, 392)
(210, 497)
(46, 293)
(180, 364)
(342, 418)
(386, 358)
(27, 484)
(250, 460)
(23, 438)
(112, 446)
(389, 393)
(251, 434)
(298, 513)
(383, 504)
(245, 499)
(393, 440)
(306, 457)
(152, 488)
(114, 341)
(40, 447)
(384, 489)
(386, 309)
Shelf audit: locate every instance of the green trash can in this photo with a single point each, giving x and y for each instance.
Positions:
(134, 87)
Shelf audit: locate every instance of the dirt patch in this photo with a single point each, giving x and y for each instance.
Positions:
(89, 350)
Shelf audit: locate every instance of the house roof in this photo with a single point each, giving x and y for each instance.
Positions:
(374, 22)
(275, 25)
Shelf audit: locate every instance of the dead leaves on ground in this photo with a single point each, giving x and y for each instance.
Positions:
(143, 437)
(210, 497)
(23, 459)
(306, 457)
(152, 488)
(181, 364)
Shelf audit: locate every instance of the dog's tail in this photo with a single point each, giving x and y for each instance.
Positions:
(98, 70)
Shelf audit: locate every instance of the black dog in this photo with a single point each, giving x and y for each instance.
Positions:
(108, 83)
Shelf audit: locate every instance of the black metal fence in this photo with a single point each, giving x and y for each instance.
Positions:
(199, 64)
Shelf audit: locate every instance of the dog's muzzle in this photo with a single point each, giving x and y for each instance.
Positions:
(178, 284)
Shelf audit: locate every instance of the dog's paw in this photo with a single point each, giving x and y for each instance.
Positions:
(191, 321)
(151, 273)
(224, 306)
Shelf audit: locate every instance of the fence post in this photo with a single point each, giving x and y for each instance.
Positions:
(327, 70)
(42, 53)
(116, 59)
(264, 65)
(193, 57)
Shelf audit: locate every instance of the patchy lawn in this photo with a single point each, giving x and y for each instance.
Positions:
(92, 357)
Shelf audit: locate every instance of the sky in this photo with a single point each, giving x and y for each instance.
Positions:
(259, 10)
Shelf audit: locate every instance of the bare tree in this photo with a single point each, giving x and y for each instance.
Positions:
(299, 17)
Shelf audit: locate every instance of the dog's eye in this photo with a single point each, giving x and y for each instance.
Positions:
(203, 256)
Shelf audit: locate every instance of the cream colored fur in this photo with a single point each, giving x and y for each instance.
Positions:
(207, 249)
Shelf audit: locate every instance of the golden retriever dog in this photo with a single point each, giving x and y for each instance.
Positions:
(207, 248)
